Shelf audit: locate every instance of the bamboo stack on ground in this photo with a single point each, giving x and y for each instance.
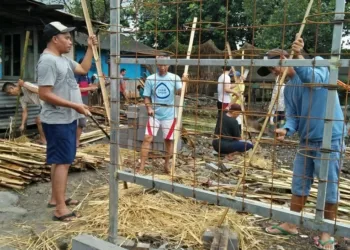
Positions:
(22, 163)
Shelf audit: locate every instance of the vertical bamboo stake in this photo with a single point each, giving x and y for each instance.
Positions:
(183, 89)
(270, 110)
(237, 81)
(230, 56)
(242, 68)
(242, 100)
(280, 83)
(97, 60)
(99, 43)
(21, 76)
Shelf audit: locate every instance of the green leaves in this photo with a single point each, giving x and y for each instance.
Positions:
(265, 23)
(287, 16)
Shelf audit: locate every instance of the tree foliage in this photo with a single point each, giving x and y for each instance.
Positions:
(264, 23)
(163, 22)
(270, 15)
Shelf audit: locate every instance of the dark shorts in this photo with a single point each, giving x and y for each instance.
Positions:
(231, 146)
(122, 96)
(85, 99)
(280, 116)
(82, 122)
(61, 142)
(221, 106)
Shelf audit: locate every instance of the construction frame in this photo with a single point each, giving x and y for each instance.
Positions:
(309, 221)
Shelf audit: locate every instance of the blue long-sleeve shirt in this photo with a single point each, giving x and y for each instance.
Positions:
(306, 107)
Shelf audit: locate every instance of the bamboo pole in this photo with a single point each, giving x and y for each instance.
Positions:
(269, 113)
(242, 100)
(280, 83)
(183, 89)
(233, 195)
(22, 71)
(97, 60)
(229, 51)
(244, 122)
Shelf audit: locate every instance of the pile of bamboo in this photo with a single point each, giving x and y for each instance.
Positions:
(22, 163)
(263, 181)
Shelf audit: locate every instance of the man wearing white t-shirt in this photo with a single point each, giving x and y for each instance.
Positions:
(159, 94)
(279, 107)
(225, 90)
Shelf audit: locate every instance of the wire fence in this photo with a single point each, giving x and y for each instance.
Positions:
(229, 151)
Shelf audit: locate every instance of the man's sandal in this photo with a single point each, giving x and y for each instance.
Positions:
(68, 203)
(281, 231)
(64, 218)
(319, 244)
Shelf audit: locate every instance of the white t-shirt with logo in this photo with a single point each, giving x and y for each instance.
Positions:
(162, 91)
(223, 80)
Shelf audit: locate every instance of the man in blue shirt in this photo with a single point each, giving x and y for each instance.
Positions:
(305, 113)
(159, 94)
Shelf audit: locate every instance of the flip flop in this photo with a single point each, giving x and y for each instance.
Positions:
(281, 231)
(64, 217)
(68, 203)
(319, 244)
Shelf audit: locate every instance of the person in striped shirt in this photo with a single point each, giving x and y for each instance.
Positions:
(28, 95)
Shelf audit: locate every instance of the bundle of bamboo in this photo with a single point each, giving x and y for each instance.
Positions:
(23, 162)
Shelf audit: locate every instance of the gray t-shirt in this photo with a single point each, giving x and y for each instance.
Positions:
(58, 71)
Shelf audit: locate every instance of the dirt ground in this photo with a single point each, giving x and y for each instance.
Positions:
(35, 197)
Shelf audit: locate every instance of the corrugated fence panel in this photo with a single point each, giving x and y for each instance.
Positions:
(8, 109)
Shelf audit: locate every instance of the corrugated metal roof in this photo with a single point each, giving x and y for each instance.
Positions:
(8, 109)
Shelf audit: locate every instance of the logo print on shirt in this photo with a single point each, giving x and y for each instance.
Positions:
(162, 91)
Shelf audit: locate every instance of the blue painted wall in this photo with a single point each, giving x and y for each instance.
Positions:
(80, 53)
(133, 71)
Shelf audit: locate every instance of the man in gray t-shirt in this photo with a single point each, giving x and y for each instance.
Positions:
(61, 109)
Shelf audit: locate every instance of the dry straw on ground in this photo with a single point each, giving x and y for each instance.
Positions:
(144, 215)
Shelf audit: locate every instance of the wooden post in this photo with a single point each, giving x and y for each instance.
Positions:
(280, 83)
(21, 76)
(183, 89)
(97, 60)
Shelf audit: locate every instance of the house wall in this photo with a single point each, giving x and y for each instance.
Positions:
(80, 53)
(133, 71)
